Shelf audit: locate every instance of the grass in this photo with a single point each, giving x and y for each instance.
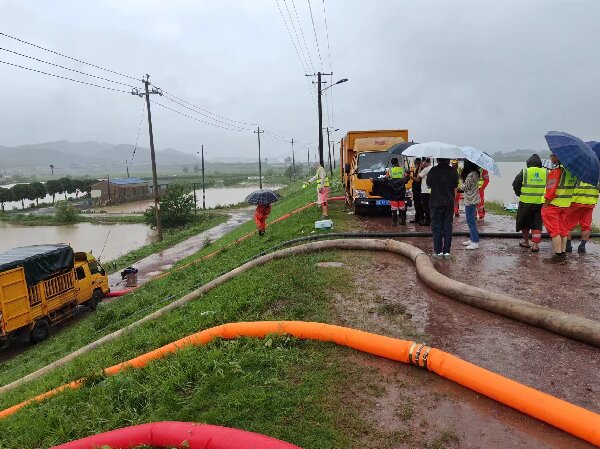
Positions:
(50, 220)
(282, 387)
(201, 223)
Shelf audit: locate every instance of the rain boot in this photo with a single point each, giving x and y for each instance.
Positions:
(394, 217)
(402, 217)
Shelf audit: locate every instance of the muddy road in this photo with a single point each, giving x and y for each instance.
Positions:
(393, 301)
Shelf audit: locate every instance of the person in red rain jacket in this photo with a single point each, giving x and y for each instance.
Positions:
(260, 217)
(484, 180)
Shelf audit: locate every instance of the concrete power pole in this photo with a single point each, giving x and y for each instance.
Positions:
(293, 161)
(259, 132)
(320, 110)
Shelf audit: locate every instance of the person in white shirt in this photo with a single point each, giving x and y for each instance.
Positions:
(425, 192)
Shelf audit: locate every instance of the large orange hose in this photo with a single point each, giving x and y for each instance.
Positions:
(561, 414)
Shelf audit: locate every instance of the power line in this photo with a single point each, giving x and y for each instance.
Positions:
(303, 38)
(197, 119)
(329, 53)
(66, 68)
(205, 115)
(169, 94)
(65, 78)
(138, 134)
(315, 31)
(68, 57)
(296, 33)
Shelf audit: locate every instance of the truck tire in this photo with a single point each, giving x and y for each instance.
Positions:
(93, 302)
(358, 210)
(40, 331)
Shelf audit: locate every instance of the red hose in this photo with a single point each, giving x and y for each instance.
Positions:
(173, 434)
(119, 293)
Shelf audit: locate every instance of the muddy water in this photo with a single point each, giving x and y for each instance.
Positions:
(500, 188)
(119, 238)
(224, 196)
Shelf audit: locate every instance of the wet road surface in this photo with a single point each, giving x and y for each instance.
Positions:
(548, 362)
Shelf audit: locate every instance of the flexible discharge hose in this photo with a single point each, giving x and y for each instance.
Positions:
(562, 323)
(561, 414)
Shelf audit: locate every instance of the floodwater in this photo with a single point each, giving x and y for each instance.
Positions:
(10, 205)
(222, 196)
(500, 188)
(104, 241)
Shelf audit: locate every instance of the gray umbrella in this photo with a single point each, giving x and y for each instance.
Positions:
(262, 197)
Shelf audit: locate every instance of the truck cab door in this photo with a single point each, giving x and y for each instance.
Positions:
(84, 287)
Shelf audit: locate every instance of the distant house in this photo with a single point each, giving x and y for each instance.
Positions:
(122, 190)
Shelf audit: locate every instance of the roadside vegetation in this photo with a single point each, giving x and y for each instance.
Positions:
(54, 220)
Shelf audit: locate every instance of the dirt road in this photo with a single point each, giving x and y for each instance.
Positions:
(393, 301)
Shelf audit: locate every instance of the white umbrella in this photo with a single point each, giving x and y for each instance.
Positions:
(481, 159)
(435, 150)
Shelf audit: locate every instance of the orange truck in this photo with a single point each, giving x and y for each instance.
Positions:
(41, 285)
(364, 155)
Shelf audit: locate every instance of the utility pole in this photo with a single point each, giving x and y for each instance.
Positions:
(329, 151)
(203, 189)
(52, 168)
(293, 161)
(320, 110)
(108, 187)
(259, 132)
(195, 205)
(147, 93)
(127, 168)
(332, 154)
(308, 159)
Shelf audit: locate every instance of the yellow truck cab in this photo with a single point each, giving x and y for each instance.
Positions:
(41, 285)
(364, 155)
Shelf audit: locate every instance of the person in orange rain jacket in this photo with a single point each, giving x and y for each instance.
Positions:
(484, 180)
(260, 217)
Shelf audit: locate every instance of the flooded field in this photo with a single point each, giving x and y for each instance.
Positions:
(117, 239)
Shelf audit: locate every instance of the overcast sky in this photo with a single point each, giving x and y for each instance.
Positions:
(491, 74)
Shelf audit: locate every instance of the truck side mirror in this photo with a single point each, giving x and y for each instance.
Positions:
(347, 168)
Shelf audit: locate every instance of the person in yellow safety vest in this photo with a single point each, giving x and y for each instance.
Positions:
(585, 198)
(398, 207)
(484, 180)
(530, 185)
(322, 180)
(557, 199)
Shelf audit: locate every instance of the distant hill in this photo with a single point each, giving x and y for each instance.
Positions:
(518, 155)
(90, 157)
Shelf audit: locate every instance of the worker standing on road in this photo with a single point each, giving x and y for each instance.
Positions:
(530, 185)
(425, 192)
(470, 178)
(322, 188)
(398, 204)
(484, 180)
(416, 191)
(585, 198)
(558, 197)
(260, 217)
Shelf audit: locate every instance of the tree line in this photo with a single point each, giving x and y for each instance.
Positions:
(36, 190)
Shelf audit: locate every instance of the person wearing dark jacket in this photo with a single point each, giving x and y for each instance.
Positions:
(443, 182)
(393, 188)
(529, 185)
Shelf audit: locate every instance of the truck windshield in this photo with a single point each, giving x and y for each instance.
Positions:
(372, 165)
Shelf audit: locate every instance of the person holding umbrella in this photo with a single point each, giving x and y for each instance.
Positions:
(470, 182)
(558, 198)
(263, 200)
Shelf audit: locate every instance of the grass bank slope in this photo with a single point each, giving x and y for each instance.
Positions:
(280, 386)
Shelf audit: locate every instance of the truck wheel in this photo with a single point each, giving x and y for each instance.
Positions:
(358, 210)
(93, 302)
(40, 331)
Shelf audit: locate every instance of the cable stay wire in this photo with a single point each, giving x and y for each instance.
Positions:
(169, 95)
(329, 54)
(303, 37)
(305, 59)
(197, 119)
(67, 68)
(65, 78)
(305, 69)
(69, 57)
(138, 134)
(193, 109)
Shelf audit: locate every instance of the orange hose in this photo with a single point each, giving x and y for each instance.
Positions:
(561, 414)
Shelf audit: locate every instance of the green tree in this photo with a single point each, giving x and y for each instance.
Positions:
(67, 186)
(176, 206)
(54, 186)
(38, 190)
(20, 192)
(5, 196)
(65, 212)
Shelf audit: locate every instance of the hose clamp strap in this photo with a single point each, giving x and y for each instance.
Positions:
(418, 353)
(410, 352)
(425, 357)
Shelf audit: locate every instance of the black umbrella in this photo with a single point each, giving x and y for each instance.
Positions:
(262, 197)
(399, 148)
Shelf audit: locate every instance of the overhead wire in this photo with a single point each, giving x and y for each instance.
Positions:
(68, 57)
(329, 53)
(138, 134)
(66, 68)
(303, 38)
(65, 78)
(312, 19)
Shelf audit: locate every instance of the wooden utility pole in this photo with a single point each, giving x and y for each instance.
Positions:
(127, 168)
(259, 132)
(203, 189)
(329, 151)
(320, 111)
(293, 161)
(146, 94)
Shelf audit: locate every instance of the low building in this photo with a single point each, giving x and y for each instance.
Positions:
(120, 190)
